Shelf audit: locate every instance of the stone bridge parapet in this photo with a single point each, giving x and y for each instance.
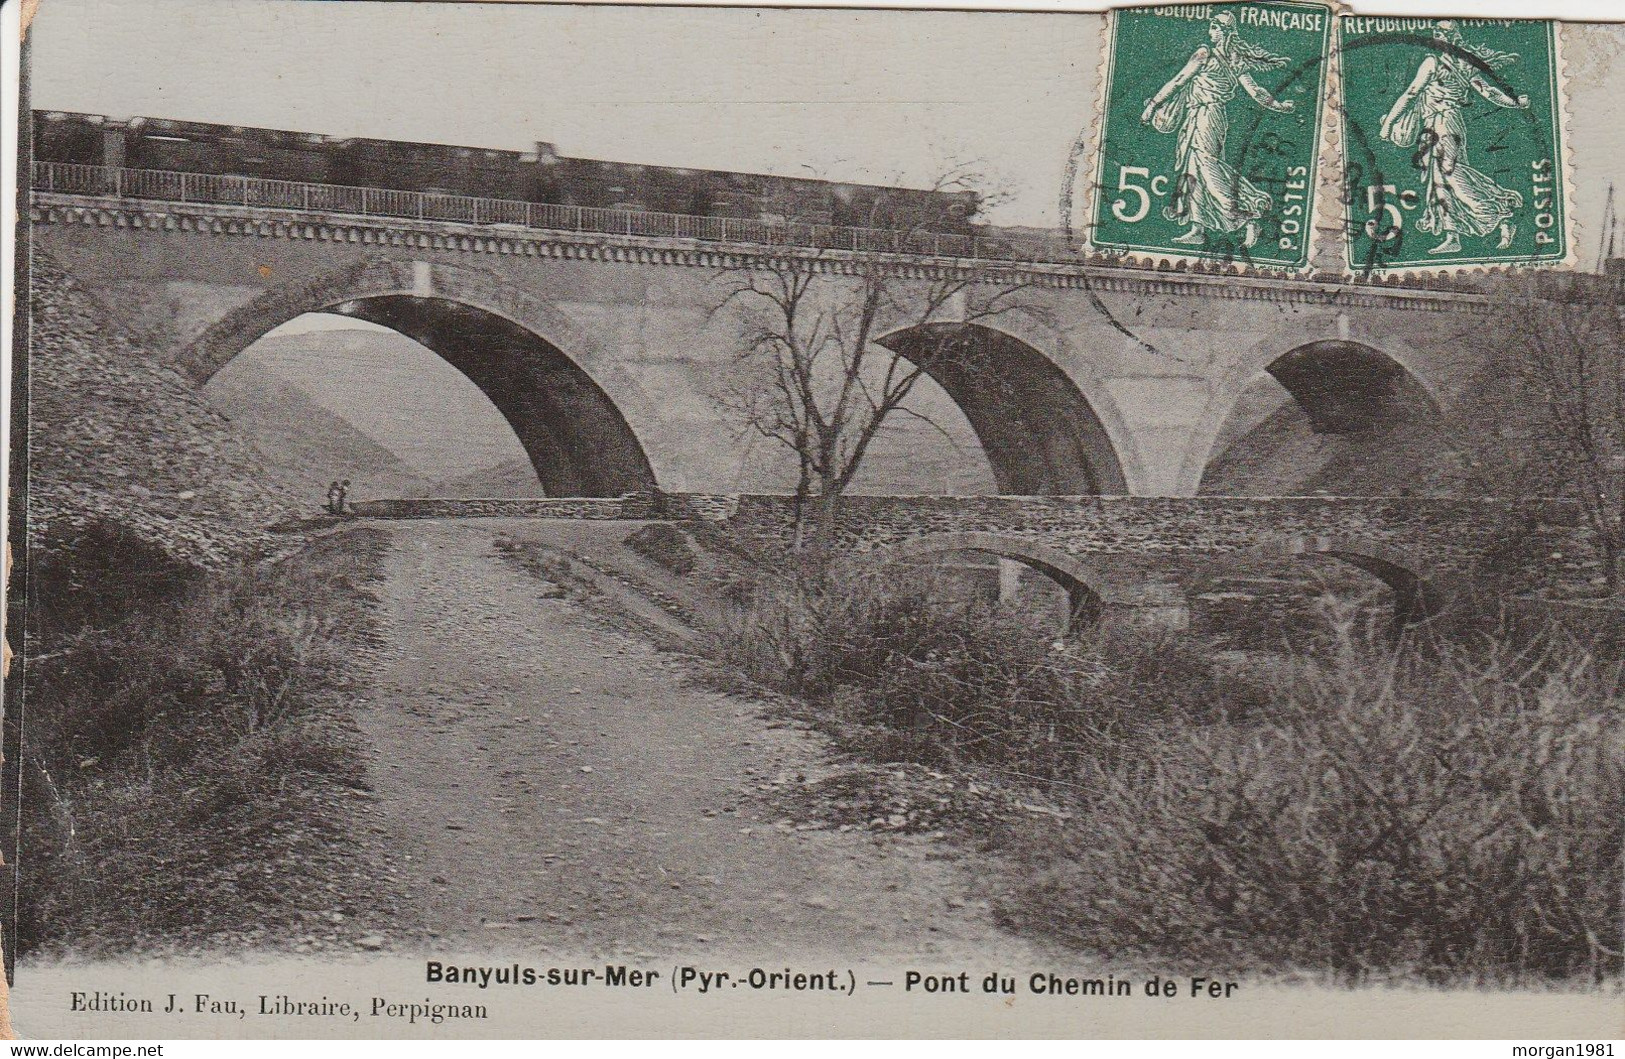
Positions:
(1441, 535)
(1142, 555)
(1126, 554)
(1431, 538)
(632, 507)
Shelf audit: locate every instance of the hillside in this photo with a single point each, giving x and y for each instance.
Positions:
(932, 452)
(508, 478)
(115, 437)
(403, 397)
(910, 456)
(1282, 456)
(305, 446)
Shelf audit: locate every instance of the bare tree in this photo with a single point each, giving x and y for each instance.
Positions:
(811, 375)
(1555, 390)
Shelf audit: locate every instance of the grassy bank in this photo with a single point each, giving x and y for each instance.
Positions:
(188, 760)
(1452, 812)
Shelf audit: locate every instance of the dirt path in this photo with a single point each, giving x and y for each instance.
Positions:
(551, 785)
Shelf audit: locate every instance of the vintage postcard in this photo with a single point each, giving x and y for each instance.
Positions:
(544, 520)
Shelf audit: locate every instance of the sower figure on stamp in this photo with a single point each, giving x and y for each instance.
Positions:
(1460, 200)
(1210, 194)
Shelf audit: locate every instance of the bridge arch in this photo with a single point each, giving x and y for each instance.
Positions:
(1421, 590)
(1088, 591)
(1040, 434)
(1345, 381)
(508, 344)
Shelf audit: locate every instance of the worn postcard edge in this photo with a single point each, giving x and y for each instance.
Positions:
(1322, 235)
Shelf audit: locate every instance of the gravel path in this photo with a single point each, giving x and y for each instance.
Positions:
(550, 784)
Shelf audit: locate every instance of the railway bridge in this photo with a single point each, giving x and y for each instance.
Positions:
(596, 334)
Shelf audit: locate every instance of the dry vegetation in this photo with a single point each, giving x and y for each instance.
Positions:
(1451, 811)
(195, 735)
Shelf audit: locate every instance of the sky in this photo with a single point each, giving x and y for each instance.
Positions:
(875, 96)
(872, 96)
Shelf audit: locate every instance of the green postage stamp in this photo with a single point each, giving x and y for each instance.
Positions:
(1452, 143)
(1211, 132)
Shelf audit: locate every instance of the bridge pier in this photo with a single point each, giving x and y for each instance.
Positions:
(1085, 611)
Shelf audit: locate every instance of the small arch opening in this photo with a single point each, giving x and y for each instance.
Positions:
(1047, 590)
(1291, 598)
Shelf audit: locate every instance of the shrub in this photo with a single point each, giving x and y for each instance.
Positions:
(170, 749)
(941, 682)
(666, 546)
(1440, 812)
(1449, 809)
(88, 576)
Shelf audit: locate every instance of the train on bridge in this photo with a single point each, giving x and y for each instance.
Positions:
(541, 175)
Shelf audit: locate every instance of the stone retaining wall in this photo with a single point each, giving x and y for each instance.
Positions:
(636, 506)
(697, 507)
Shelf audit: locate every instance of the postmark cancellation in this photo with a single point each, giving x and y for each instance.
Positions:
(1441, 141)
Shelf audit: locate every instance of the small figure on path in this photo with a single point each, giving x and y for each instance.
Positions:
(336, 494)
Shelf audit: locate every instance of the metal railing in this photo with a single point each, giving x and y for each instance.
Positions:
(73, 178)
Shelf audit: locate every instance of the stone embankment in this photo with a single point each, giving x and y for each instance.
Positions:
(115, 436)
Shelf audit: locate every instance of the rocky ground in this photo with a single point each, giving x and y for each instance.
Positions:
(115, 436)
(542, 781)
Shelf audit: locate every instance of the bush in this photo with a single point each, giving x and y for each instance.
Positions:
(1367, 807)
(941, 682)
(1442, 813)
(666, 546)
(89, 576)
(171, 749)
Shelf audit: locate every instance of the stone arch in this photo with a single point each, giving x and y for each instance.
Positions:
(1341, 384)
(1342, 377)
(1088, 591)
(1041, 435)
(1421, 591)
(508, 344)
